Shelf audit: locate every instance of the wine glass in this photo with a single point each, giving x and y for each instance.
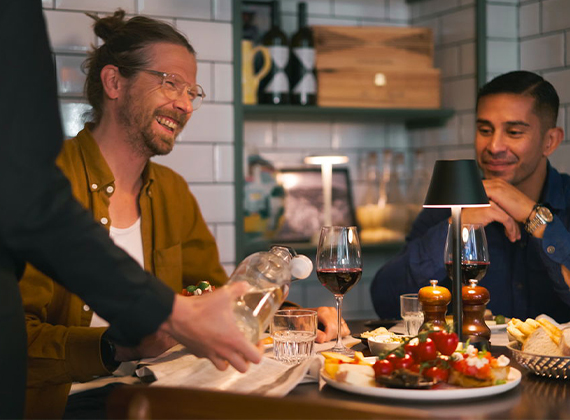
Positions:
(474, 252)
(339, 267)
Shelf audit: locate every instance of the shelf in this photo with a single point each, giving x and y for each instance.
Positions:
(310, 249)
(414, 118)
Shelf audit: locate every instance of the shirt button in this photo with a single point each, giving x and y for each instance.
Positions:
(94, 186)
(551, 249)
(86, 308)
(110, 189)
(104, 220)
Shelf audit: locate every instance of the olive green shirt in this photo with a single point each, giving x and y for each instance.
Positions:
(178, 248)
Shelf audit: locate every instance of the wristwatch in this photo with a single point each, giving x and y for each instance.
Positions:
(108, 353)
(542, 216)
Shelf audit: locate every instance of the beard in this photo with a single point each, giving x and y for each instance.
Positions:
(138, 120)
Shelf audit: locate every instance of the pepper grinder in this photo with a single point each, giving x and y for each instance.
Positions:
(434, 300)
(475, 299)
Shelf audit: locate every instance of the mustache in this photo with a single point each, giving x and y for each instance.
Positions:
(488, 157)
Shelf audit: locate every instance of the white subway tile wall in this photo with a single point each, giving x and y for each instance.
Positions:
(502, 56)
(107, 6)
(529, 19)
(538, 37)
(502, 21)
(195, 162)
(543, 53)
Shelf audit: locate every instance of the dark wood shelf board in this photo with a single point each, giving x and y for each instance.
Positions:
(414, 118)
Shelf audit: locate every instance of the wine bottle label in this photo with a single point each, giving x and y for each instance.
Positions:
(278, 84)
(280, 56)
(307, 85)
(306, 56)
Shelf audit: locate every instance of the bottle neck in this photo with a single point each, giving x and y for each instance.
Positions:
(302, 15)
(275, 15)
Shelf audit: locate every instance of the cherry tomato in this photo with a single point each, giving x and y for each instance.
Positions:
(446, 343)
(415, 367)
(426, 350)
(403, 362)
(436, 373)
(383, 368)
(411, 348)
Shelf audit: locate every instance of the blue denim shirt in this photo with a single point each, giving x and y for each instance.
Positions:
(524, 278)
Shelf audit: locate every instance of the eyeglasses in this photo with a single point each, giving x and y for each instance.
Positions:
(174, 86)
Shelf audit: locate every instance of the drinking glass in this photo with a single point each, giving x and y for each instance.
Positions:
(474, 252)
(294, 332)
(339, 268)
(411, 312)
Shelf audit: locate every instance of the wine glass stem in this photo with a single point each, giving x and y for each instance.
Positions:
(338, 299)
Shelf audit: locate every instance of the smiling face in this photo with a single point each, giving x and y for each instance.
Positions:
(151, 119)
(510, 142)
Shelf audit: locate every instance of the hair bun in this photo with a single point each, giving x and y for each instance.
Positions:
(106, 27)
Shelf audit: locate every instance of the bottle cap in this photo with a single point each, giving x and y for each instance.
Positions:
(301, 267)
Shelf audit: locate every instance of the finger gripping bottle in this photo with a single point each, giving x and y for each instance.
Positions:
(269, 276)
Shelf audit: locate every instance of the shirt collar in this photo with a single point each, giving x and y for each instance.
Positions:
(99, 174)
(551, 190)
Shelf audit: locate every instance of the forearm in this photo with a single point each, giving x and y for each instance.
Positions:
(555, 253)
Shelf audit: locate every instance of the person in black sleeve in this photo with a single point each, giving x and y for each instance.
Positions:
(41, 223)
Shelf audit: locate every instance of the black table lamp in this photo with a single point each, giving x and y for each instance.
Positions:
(456, 184)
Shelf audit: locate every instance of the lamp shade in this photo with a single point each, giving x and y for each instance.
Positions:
(456, 183)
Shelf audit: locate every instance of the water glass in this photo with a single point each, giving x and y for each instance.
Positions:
(294, 332)
(411, 312)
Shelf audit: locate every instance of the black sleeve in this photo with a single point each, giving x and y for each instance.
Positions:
(420, 261)
(40, 222)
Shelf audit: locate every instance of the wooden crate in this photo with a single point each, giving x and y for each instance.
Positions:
(417, 88)
(370, 47)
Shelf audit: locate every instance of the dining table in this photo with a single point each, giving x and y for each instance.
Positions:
(536, 397)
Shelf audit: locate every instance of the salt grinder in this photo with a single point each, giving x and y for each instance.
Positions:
(434, 300)
(475, 299)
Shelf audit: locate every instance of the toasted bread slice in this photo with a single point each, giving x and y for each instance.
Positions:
(552, 329)
(540, 343)
(565, 342)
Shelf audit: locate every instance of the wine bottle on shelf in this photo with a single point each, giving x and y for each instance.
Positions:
(302, 62)
(274, 88)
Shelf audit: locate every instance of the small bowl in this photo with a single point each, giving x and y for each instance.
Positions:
(382, 344)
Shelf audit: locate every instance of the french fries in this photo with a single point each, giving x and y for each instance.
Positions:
(519, 330)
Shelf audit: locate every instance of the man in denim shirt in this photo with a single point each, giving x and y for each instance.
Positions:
(527, 225)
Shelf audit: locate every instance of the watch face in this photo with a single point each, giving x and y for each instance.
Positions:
(545, 214)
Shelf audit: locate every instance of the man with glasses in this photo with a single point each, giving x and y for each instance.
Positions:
(141, 84)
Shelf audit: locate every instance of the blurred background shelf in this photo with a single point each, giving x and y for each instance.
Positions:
(413, 118)
(310, 249)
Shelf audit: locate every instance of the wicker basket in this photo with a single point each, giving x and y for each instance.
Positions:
(549, 366)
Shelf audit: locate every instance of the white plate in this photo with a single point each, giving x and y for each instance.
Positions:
(493, 326)
(427, 394)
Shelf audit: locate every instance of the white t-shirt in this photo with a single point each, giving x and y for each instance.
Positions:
(130, 240)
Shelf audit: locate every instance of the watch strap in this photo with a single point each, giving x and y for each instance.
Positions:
(108, 352)
(537, 220)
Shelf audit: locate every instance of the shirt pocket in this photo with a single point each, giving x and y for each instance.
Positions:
(168, 266)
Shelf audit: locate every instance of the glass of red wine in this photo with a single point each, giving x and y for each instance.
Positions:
(474, 252)
(339, 268)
